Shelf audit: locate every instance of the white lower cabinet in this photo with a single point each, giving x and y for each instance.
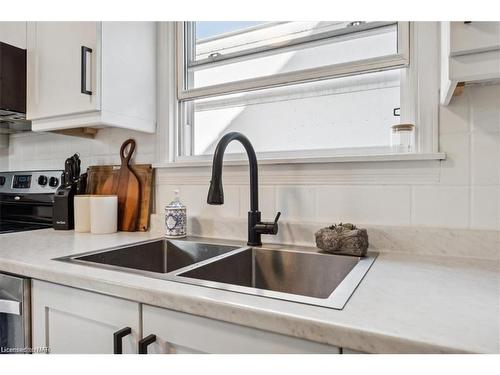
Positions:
(178, 332)
(69, 320)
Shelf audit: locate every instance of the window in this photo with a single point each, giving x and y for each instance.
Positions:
(296, 89)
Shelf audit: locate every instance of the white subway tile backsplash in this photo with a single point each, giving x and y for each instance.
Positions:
(485, 108)
(454, 118)
(296, 203)
(455, 169)
(440, 206)
(485, 158)
(267, 201)
(49, 150)
(4, 159)
(385, 205)
(485, 207)
(195, 199)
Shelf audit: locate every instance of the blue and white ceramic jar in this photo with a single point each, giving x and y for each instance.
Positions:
(175, 218)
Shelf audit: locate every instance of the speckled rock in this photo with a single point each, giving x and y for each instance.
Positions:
(343, 239)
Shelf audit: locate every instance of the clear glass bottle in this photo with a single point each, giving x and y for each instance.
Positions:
(403, 138)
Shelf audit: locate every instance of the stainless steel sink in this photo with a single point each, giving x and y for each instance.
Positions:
(308, 274)
(160, 256)
(294, 275)
(300, 276)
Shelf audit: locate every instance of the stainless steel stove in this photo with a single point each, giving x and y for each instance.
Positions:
(26, 199)
(26, 203)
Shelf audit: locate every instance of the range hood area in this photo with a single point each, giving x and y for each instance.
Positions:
(12, 91)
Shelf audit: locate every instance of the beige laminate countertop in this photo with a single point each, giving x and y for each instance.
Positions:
(406, 303)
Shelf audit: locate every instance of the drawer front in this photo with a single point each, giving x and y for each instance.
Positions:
(178, 332)
(474, 37)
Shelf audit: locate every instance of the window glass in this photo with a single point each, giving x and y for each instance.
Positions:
(344, 114)
(233, 51)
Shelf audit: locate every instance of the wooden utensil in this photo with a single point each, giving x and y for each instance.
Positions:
(99, 174)
(126, 187)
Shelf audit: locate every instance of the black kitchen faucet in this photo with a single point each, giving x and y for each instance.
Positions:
(216, 193)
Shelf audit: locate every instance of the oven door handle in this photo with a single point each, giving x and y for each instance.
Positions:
(8, 306)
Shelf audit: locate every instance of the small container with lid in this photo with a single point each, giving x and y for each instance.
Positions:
(403, 138)
(175, 218)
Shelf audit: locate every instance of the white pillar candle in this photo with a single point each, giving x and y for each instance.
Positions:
(103, 214)
(82, 213)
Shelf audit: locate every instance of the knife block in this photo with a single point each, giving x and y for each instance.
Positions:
(63, 217)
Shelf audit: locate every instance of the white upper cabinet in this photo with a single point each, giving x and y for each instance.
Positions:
(55, 69)
(92, 74)
(470, 52)
(13, 33)
(474, 37)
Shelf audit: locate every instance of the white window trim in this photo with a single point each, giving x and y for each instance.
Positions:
(397, 60)
(419, 105)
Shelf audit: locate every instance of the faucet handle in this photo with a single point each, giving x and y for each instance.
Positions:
(268, 227)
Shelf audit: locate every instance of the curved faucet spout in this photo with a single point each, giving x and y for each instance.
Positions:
(216, 191)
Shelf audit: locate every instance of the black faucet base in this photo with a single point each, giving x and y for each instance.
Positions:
(254, 238)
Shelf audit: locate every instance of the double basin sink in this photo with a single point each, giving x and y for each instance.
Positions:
(293, 275)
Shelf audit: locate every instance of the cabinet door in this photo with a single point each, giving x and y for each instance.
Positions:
(13, 33)
(55, 68)
(178, 332)
(474, 37)
(73, 321)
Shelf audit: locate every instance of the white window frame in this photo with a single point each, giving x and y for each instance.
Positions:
(418, 51)
(397, 60)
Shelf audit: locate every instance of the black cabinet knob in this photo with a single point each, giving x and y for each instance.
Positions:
(42, 180)
(53, 182)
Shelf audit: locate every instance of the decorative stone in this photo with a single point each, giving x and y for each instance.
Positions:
(343, 239)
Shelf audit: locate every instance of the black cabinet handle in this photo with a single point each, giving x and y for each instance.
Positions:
(117, 339)
(83, 73)
(144, 343)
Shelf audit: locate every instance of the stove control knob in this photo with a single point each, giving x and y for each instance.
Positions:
(42, 180)
(53, 182)
(2, 180)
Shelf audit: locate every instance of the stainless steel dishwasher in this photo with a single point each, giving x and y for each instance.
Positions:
(15, 314)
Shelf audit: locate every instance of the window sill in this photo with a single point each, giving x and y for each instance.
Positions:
(237, 160)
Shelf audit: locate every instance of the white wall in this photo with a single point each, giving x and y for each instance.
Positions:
(29, 151)
(4, 159)
(461, 192)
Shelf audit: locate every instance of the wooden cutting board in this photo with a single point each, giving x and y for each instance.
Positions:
(98, 175)
(126, 187)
